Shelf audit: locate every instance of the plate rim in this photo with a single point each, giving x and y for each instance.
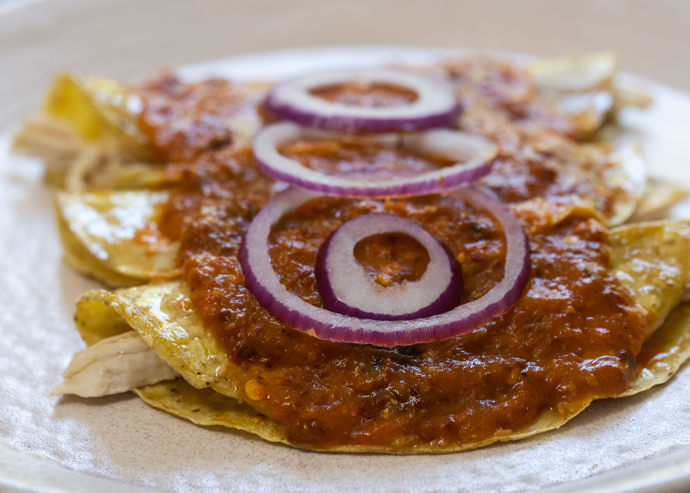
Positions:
(25, 471)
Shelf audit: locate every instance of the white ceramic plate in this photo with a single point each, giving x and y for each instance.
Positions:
(118, 443)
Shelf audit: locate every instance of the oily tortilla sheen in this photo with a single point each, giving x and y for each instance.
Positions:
(121, 174)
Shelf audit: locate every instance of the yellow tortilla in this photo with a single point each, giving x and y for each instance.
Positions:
(659, 196)
(651, 259)
(161, 313)
(97, 107)
(101, 236)
(569, 74)
(206, 407)
(672, 340)
(627, 179)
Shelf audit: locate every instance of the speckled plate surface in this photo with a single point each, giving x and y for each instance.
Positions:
(120, 444)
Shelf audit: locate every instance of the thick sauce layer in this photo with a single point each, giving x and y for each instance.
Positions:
(186, 120)
(366, 94)
(392, 258)
(574, 335)
(539, 155)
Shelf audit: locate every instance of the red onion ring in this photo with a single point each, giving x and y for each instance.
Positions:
(435, 106)
(346, 288)
(474, 155)
(263, 282)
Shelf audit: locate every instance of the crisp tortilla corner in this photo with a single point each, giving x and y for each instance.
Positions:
(206, 407)
(99, 236)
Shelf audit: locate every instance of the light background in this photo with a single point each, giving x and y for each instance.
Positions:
(127, 39)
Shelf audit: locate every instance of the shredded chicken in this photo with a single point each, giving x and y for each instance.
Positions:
(113, 365)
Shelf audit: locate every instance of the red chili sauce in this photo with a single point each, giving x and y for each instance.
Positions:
(335, 156)
(573, 335)
(392, 258)
(373, 94)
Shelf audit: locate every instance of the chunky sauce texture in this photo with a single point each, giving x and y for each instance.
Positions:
(358, 156)
(366, 94)
(574, 335)
(392, 258)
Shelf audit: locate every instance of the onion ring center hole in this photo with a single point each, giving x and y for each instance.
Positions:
(366, 94)
(354, 156)
(392, 258)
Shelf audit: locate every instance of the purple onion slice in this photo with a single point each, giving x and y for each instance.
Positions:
(474, 156)
(435, 105)
(346, 288)
(263, 282)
